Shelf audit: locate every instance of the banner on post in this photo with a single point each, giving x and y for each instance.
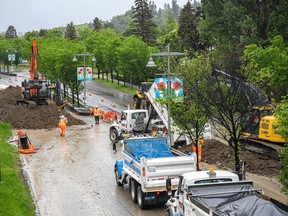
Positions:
(80, 73)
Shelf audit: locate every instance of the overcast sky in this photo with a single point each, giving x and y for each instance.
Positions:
(31, 15)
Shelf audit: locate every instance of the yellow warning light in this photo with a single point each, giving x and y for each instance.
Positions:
(211, 169)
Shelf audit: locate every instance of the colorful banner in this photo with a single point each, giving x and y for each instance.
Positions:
(176, 88)
(80, 73)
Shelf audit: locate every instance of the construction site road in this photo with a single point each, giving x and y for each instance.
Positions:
(73, 175)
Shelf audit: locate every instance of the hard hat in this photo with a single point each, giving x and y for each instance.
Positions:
(62, 117)
(96, 106)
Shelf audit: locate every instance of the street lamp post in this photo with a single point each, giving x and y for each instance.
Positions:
(11, 55)
(84, 69)
(151, 63)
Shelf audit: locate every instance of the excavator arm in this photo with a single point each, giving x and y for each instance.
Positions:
(34, 62)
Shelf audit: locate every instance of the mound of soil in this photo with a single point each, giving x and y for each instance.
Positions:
(215, 152)
(22, 117)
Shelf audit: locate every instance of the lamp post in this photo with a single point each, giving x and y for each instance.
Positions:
(84, 69)
(11, 56)
(151, 63)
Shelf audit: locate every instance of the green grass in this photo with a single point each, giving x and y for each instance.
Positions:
(115, 85)
(15, 198)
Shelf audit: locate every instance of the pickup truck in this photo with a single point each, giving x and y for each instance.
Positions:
(145, 164)
(126, 123)
(217, 193)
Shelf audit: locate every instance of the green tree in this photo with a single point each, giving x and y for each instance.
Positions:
(29, 36)
(225, 100)
(96, 24)
(143, 20)
(267, 67)
(42, 32)
(133, 55)
(187, 30)
(229, 29)
(71, 32)
(54, 33)
(277, 23)
(282, 115)
(11, 32)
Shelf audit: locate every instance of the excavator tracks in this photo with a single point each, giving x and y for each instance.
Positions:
(265, 149)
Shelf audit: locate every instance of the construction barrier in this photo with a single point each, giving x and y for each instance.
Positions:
(109, 117)
(23, 143)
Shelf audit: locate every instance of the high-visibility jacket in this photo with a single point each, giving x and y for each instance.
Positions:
(62, 123)
(96, 112)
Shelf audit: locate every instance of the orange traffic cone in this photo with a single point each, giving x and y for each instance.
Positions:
(113, 105)
(102, 99)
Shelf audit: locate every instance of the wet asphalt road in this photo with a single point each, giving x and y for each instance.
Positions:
(74, 175)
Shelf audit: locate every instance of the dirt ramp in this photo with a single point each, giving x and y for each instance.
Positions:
(22, 117)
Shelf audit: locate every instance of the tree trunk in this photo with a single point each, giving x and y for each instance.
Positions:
(111, 72)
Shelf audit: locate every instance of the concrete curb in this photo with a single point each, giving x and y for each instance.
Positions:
(8, 74)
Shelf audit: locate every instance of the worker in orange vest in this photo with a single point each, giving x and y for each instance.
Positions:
(62, 125)
(96, 113)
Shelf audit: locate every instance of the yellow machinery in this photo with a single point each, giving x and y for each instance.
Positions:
(261, 135)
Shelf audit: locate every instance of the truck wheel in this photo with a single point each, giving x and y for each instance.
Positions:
(113, 135)
(140, 198)
(133, 191)
(117, 177)
(167, 213)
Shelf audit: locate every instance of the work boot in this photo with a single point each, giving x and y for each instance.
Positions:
(114, 151)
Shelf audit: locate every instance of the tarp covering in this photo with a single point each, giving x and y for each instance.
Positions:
(149, 148)
(239, 199)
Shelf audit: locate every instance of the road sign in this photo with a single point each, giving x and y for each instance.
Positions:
(13, 57)
(9, 57)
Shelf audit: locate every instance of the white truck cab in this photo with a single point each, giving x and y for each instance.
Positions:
(126, 123)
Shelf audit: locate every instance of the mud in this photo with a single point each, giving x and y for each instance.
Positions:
(22, 117)
(215, 152)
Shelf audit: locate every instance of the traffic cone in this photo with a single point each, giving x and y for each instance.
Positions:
(113, 105)
(16, 79)
(90, 94)
(102, 99)
(128, 106)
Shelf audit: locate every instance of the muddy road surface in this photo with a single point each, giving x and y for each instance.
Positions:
(73, 175)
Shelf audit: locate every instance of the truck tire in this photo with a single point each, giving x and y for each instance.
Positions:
(141, 198)
(117, 177)
(167, 213)
(133, 190)
(113, 135)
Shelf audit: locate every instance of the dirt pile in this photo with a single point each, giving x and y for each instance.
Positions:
(22, 117)
(215, 152)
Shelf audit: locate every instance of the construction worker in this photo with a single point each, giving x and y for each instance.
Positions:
(62, 125)
(96, 113)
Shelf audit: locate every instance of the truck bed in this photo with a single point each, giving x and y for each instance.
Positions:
(233, 198)
(151, 161)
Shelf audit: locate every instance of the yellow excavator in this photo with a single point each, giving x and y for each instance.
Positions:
(261, 134)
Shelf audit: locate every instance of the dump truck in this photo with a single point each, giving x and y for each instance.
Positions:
(145, 164)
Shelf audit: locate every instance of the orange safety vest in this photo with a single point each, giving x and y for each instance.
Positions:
(96, 112)
(62, 123)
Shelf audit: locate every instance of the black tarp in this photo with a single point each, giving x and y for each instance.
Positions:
(234, 200)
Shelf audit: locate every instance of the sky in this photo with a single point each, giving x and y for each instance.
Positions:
(32, 15)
